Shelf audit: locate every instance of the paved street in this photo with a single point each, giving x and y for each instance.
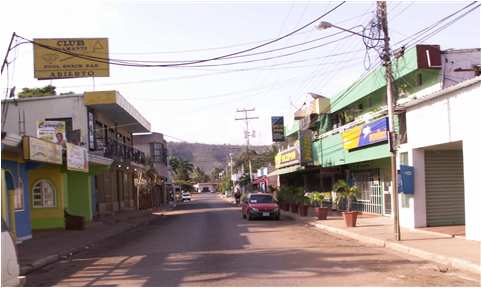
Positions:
(207, 243)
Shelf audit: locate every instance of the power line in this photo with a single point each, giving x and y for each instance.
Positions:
(126, 63)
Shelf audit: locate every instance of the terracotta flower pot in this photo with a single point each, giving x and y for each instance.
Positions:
(321, 212)
(303, 210)
(350, 218)
(294, 207)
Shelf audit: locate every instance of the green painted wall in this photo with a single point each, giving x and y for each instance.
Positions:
(293, 128)
(329, 152)
(375, 80)
(79, 194)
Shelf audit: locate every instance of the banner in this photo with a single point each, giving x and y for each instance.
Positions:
(52, 131)
(365, 135)
(42, 151)
(77, 158)
(277, 128)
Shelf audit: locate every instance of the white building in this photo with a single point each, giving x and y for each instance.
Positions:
(443, 145)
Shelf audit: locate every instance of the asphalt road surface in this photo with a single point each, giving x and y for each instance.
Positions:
(207, 243)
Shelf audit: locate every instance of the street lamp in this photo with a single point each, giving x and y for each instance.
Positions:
(382, 17)
(323, 25)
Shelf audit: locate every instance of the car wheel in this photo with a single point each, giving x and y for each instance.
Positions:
(277, 217)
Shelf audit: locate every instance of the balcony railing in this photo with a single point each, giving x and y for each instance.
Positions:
(121, 152)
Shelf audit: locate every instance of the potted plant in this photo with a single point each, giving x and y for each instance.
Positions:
(303, 202)
(317, 201)
(283, 198)
(294, 199)
(348, 194)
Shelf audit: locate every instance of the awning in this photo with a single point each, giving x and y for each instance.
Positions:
(287, 170)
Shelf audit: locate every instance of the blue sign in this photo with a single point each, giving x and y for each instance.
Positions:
(374, 132)
(406, 179)
(277, 128)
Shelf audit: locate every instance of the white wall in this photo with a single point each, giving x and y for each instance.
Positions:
(445, 119)
(49, 107)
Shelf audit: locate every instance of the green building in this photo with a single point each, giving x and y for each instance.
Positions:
(349, 131)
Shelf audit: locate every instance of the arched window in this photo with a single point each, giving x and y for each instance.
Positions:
(43, 194)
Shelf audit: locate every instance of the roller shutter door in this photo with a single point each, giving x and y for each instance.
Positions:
(444, 187)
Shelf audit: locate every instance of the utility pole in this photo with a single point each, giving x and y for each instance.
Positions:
(382, 16)
(247, 134)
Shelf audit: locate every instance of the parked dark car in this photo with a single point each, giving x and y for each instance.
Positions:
(260, 205)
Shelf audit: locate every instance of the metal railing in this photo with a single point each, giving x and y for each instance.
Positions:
(122, 152)
(374, 203)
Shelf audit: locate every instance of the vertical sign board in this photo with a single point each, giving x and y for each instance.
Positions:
(277, 128)
(52, 131)
(77, 158)
(63, 58)
(306, 148)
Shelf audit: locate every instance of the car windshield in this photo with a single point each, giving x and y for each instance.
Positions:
(261, 199)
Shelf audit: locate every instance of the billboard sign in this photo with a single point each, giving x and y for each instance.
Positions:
(364, 135)
(62, 58)
(41, 150)
(277, 128)
(77, 158)
(52, 131)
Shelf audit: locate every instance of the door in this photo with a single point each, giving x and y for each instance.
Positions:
(444, 187)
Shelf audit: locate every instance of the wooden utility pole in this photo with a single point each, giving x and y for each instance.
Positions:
(247, 134)
(382, 16)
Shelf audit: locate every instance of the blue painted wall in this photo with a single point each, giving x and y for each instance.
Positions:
(23, 221)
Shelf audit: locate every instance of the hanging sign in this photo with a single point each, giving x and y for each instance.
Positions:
(77, 158)
(62, 58)
(41, 150)
(277, 128)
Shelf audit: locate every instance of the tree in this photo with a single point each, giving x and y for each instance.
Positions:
(48, 90)
(182, 168)
(198, 176)
(215, 173)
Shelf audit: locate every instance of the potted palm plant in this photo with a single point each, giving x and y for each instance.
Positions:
(347, 194)
(282, 196)
(317, 201)
(294, 196)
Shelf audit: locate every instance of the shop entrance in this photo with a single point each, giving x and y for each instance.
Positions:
(371, 192)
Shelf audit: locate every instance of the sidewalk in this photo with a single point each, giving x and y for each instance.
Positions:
(49, 246)
(455, 252)
(441, 248)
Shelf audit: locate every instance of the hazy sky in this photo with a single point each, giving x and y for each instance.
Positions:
(199, 104)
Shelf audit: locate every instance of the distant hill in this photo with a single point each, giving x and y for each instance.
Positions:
(208, 156)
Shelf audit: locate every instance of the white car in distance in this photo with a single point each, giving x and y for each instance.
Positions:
(185, 196)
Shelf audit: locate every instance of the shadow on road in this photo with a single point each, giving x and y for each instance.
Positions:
(206, 242)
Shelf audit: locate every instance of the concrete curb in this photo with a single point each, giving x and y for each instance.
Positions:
(42, 262)
(455, 263)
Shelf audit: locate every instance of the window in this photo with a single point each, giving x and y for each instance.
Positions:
(404, 158)
(419, 79)
(156, 152)
(100, 136)
(19, 196)
(90, 128)
(43, 193)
